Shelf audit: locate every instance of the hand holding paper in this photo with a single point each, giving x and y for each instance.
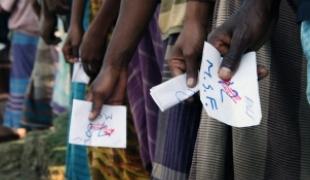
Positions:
(108, 130)
(235, 102)
(172, 92)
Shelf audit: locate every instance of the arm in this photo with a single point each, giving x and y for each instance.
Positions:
(131, 23)
(48, 24)
(95, 39)
(75, 34)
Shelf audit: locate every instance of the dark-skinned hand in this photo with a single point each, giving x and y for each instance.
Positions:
(92, 51)
(94, 42)
(48, 24)
(108, 88)
(186, 53)
(72, 44)
(244, 31)
(110, 85)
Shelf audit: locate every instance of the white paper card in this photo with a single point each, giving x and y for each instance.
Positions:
(236, 102)
(108, 130)
(172, 92)
(79, 74)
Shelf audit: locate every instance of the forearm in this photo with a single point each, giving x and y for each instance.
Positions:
(77, 13)
(45, 11)
(198, 13)
(132, 22)
(105, 18)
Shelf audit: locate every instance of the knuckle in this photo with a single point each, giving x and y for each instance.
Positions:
(189, 53)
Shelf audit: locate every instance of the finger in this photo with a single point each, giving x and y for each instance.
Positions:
(67, 51)
(177, 66)
(192, 66)
(233, 57)
(75, 53)
(220, 40)
(176, 60)
(87, 69)
(262, 72)
(96, 107)
(89, 96)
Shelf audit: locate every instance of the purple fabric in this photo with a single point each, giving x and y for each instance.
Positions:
(144, 73)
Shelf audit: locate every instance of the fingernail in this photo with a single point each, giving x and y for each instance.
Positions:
(190, 82)
(225, 73)
(91, 116)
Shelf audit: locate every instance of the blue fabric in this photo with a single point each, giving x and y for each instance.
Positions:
(77, 160)
(24, 39)
(305, 40)
(24, 48)
(77, 167)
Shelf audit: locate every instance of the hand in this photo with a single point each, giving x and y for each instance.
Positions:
(48, 26)
(108, 88)
(92, 49)
(72, 44)
(186, 53)
(245, 31)
(58, 6)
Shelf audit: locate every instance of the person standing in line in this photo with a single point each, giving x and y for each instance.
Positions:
(25, 26)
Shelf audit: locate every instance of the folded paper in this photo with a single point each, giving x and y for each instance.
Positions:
(235, 102)
(108, 130)
(172, 92)
(79, 74)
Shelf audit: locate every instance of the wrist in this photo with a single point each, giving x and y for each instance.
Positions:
(117, 60)
(197, 14)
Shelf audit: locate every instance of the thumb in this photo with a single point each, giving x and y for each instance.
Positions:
(96, 108)
(262, 72)
(232, 59)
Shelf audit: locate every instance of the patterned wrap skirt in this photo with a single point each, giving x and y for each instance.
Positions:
(23, 49)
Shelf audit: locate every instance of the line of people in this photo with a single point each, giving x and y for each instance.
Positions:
(129, 46)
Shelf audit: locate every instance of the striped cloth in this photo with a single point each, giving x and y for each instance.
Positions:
(77, 167)
(279, 148)
(38, 111)
(176, 134)
(305, 39)
(77, 159)
(23, 51)
(178, 126)
(171, 17)
(112, 163)
(143, 74)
